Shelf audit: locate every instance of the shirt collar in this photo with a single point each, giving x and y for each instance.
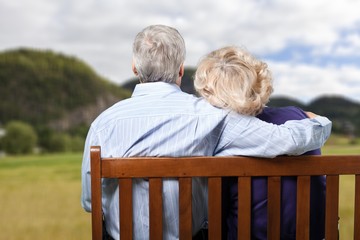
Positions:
(157, 88)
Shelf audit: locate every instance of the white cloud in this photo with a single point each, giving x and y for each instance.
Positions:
(350, 46)
(101, 32)
(304, 82)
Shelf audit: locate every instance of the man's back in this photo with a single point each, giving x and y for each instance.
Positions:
(159, 120)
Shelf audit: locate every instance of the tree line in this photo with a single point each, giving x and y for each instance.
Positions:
(47, 100)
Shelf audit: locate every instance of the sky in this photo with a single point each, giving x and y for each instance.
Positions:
(311, 47)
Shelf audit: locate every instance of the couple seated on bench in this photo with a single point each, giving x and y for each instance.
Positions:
(161, 120)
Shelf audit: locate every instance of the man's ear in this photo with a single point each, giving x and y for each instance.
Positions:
(181, 74)
(134, 68)
(181, 71)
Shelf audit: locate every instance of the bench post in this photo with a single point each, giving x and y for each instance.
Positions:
(332, 207)
(96, 189)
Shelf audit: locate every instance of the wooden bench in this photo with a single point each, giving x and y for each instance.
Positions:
(214, 168)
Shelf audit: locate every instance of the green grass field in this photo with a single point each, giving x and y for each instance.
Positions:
(40, 197)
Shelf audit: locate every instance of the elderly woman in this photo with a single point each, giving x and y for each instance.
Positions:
(234, 79)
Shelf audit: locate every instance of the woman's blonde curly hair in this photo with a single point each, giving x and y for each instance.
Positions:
(232, 78)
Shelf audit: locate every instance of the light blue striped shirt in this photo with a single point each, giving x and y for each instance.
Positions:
(161, 120)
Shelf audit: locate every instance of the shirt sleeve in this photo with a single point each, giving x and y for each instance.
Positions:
(85, 172)
(249, 136)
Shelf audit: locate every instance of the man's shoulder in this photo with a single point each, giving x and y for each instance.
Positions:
(170, 106)
(109, 113)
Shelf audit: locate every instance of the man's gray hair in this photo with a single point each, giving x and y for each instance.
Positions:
(158, 53)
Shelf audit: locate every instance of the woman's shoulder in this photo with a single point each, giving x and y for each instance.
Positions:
(280, 115)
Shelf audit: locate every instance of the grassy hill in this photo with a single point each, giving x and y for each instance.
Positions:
(51, 89)
(343, 112)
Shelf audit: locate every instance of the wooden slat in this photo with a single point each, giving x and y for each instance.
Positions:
(231, 166)
(274, 197)
(357, 208)
(126, 209)
(214, 208)
(185, 208)
(155, 208)
(332, 207)
(244, 207)
(96, 204)
(303, 208)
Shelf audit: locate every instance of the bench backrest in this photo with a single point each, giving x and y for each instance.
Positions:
(214, 168)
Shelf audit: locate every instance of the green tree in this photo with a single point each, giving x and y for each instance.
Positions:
(77, 144)
(20, 138)
(60, 142)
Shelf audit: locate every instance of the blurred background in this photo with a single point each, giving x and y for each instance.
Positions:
(63, 62)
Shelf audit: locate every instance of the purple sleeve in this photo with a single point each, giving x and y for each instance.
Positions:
(281, 115)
